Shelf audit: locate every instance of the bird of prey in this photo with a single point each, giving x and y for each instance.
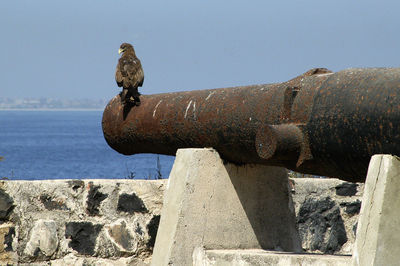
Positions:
(129, 75)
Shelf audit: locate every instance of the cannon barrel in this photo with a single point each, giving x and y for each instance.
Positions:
(320, 123)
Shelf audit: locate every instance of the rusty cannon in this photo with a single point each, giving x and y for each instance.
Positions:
(320, 123)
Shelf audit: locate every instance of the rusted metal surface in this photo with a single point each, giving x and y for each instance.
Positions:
(319, 123)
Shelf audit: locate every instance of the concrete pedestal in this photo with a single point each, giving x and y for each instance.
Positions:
(254, 257)
(212, 205)
(378, 232)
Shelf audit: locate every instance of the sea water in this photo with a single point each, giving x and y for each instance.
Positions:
(67, 144)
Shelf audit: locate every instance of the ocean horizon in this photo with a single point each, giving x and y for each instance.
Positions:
(38, 144)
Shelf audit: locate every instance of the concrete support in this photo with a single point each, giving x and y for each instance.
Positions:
(378, 232)
(254, 257)
(212, 205)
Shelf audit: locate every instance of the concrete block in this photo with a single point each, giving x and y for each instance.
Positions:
(214, 205)
(254, 257)
(378, 232)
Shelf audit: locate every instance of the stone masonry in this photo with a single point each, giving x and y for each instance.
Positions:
(79, 222)
(115, 222)
(327, 213)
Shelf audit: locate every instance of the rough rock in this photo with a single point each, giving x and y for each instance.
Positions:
(352, 208)
(8, 239)
(94, 199)
(6, 205)
(7, 232)
(53, 204)
(325, 216)
(43, 239)
(7, 254)
(122, 236)
(130, 203)
(71, 259)
(320, 222)
(83, 236)
(346, 189)
(152, 228)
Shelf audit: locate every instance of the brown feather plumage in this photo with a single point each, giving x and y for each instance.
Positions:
(129, 74)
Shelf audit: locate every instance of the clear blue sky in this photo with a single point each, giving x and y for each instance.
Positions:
(68, 49)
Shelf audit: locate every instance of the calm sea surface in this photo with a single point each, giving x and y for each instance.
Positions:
(66, 144)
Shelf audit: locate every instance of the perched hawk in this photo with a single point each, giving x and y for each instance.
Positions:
(129, 74)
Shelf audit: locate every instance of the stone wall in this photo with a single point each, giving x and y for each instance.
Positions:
(114, 222)
(79, 222)
(327, 214)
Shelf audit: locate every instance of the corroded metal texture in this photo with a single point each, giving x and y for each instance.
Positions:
(320, 123)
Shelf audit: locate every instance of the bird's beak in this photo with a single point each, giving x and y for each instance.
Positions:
(120, 51)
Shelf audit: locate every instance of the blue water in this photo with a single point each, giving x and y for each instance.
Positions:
(67, 144)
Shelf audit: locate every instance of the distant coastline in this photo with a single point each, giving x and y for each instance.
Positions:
(51, 104)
